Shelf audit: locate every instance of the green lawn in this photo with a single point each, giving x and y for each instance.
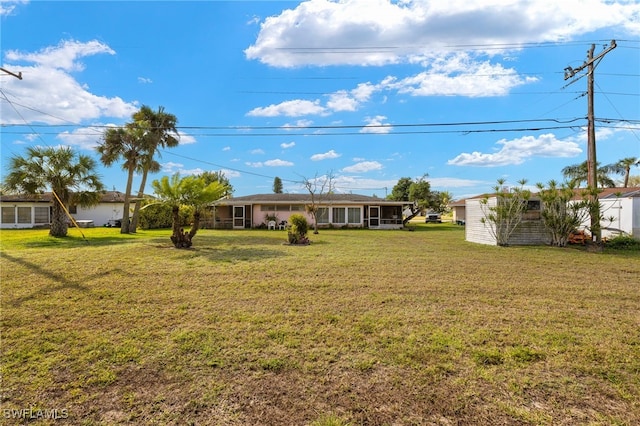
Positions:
(361, 327)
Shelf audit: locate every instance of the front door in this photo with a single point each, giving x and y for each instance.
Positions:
(374, 216)
(238, 217)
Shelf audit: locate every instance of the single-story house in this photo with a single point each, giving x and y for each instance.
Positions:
(458, 211)
(32, 211)
(621, 204)
(340, 210)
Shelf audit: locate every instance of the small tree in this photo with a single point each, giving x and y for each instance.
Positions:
(188, 191)
(317, 188)
(420, 193)
(560, 214)
(506, 215)
(400, 191)
(277, 185)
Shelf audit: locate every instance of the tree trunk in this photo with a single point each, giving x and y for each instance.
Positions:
(195, 226)
(179, 238)
(59, 224)
(626, 176)
(124, 227)
(136, 210)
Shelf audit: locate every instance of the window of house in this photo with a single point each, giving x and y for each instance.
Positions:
(353, 214)
(533, 205)
(282, 207)
(24, 214)
(73, 209)
(533, 210)
(8, 215)
(322, 215)
(297, 208)
(339, 215)
(41, 214)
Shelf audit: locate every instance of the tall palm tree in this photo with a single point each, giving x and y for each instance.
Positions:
(578, 173)
(125, 143)
(623, 167)
(161, 132)
(72, 177)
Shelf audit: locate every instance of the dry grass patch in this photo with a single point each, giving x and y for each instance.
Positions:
(360, 327)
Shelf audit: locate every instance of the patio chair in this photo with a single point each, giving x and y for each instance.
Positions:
(271, 225)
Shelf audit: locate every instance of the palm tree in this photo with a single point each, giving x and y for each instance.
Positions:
(623, 167)
(161, 132)
(578, 173)
(191, 191)
(71, 177)
(124, 143)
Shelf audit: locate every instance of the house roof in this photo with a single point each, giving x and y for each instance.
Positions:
(605, 193)
(616, 192)
(306, 199)
(107, 197)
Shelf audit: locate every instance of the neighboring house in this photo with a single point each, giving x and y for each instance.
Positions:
(32, 211)
(458, 211)
(339, 210)
(622, 204)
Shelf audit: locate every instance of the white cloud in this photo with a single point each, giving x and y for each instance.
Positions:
(363, 185)
(517, 151)
(463, 76)
(226, 148)
(172, 168)
(144, 80)
(7, 7)
(257, 151)
(185, 138)
(376, 125)
(297, 124)
(230, 173)
(270, 163)
(446, 182)
(362, 167)
(278, 163)
(86, 138)
(54, 94)
(342, 101)
(294, 108)
(64, 56)
(379, 32)
(285, 145)
(326, 156)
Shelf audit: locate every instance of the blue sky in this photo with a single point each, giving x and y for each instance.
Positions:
(369, 91)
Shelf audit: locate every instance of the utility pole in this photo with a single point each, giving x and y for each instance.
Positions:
(18, 76)
(592, 165)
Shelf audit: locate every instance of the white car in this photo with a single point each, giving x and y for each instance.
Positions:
(433, 218)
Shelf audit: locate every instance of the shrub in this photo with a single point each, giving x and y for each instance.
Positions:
(155, 216)
(299, 228)
(300, 223)
(158, 216)
(623, 242)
